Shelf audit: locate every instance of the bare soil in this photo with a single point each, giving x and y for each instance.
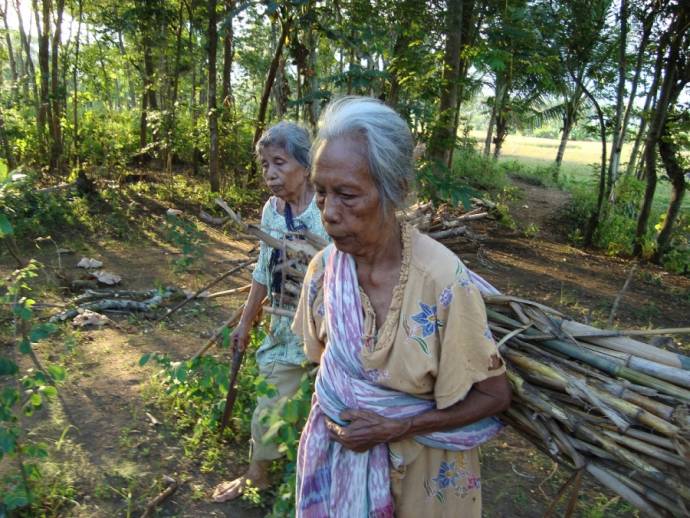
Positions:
(113, 456)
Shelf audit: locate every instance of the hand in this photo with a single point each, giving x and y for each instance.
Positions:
(366, 429)
(239, 339)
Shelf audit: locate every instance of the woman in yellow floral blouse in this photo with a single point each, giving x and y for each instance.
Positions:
(409, 374)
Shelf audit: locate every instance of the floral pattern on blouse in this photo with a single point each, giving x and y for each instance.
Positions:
(451, 477)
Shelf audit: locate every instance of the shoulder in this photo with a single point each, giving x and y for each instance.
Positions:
(433, 259)
(269, 209)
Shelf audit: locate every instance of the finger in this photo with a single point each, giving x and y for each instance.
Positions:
(350, 414)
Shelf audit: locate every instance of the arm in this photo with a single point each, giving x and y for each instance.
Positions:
(366, 429)
(240, 336)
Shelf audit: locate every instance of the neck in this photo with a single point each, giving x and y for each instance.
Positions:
(385, 251)
(299, 201)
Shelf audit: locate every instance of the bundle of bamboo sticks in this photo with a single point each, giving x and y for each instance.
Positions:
(599, 401)
(593, 400)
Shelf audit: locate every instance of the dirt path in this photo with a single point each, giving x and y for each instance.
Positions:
(115, 456)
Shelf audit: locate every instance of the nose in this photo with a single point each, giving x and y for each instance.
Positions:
(270, 173)
(329, 212)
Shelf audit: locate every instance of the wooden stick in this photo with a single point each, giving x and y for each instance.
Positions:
(230, 322)
(237, 358)
(161, 497)
(279, 312)
(617, 300)
(209, 285)
(234, 291)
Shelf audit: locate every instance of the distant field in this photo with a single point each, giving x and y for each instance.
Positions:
(577, 161)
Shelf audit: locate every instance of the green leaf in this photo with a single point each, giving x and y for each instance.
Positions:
(144, 359)
(36, 400)
(8, 440)
(42, 331)
(7, 367)
(16, 499)
(291, 412)
(25, 346)
(5, 226)
(48, 391)
(56, 372)
(272, 432)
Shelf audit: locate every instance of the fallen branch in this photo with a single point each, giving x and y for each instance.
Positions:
(617, 300)
(205, 288)
(171, 487)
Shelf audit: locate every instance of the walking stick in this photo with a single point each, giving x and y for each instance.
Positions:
(237, 358)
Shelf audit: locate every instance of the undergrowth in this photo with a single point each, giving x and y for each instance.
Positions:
(192, 394)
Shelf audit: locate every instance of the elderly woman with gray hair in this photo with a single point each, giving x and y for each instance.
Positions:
(283, 152)
(409, 375)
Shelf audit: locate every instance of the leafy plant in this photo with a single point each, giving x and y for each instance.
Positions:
(192, 392)
(23, 391)
(185, 235)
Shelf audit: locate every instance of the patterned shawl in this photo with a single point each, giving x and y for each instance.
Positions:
(333, 481)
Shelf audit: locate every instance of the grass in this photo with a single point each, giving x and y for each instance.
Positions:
(581, 158)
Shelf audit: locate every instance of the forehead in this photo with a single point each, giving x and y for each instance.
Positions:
(272, 151)
(342, 160)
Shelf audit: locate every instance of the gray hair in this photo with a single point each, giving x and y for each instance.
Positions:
(389, 143)
(290, 137)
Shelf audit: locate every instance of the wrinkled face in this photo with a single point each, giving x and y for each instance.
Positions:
(284, 175)
(347, 196)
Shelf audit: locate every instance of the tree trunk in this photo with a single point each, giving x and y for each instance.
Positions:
(213, 173)
(443, 134)
(490, 129)
(172, 122)
(30, 68)
(312, 77)
(43, 116)
(656, 127)
(76, 144)
(143, 121)
(648, 103)
(670, 157)
(595, 217)
(270, 78)
(7, 149)
(617, 139)
(57, 95)
(646, 31)
(132, 95)
(10, 52)
(572, 106)
(228, 55)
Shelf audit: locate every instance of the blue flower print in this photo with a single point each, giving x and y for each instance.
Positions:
(427, 319)
(446, 297)
(488, 335)
(448, 475)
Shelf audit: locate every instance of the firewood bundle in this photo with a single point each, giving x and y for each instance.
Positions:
(594, 400)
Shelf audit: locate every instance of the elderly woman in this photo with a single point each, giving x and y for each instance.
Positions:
(283, 152)
(409, 373)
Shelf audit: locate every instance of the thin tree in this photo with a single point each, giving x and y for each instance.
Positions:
(675, 34)
(213, 172)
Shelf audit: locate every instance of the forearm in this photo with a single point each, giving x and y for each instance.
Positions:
(252, 306)
(484, 399)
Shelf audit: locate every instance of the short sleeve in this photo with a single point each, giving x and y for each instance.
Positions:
(308, 322)
(260, 273)
(468, 353)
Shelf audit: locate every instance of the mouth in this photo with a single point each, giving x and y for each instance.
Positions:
(275, 188)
